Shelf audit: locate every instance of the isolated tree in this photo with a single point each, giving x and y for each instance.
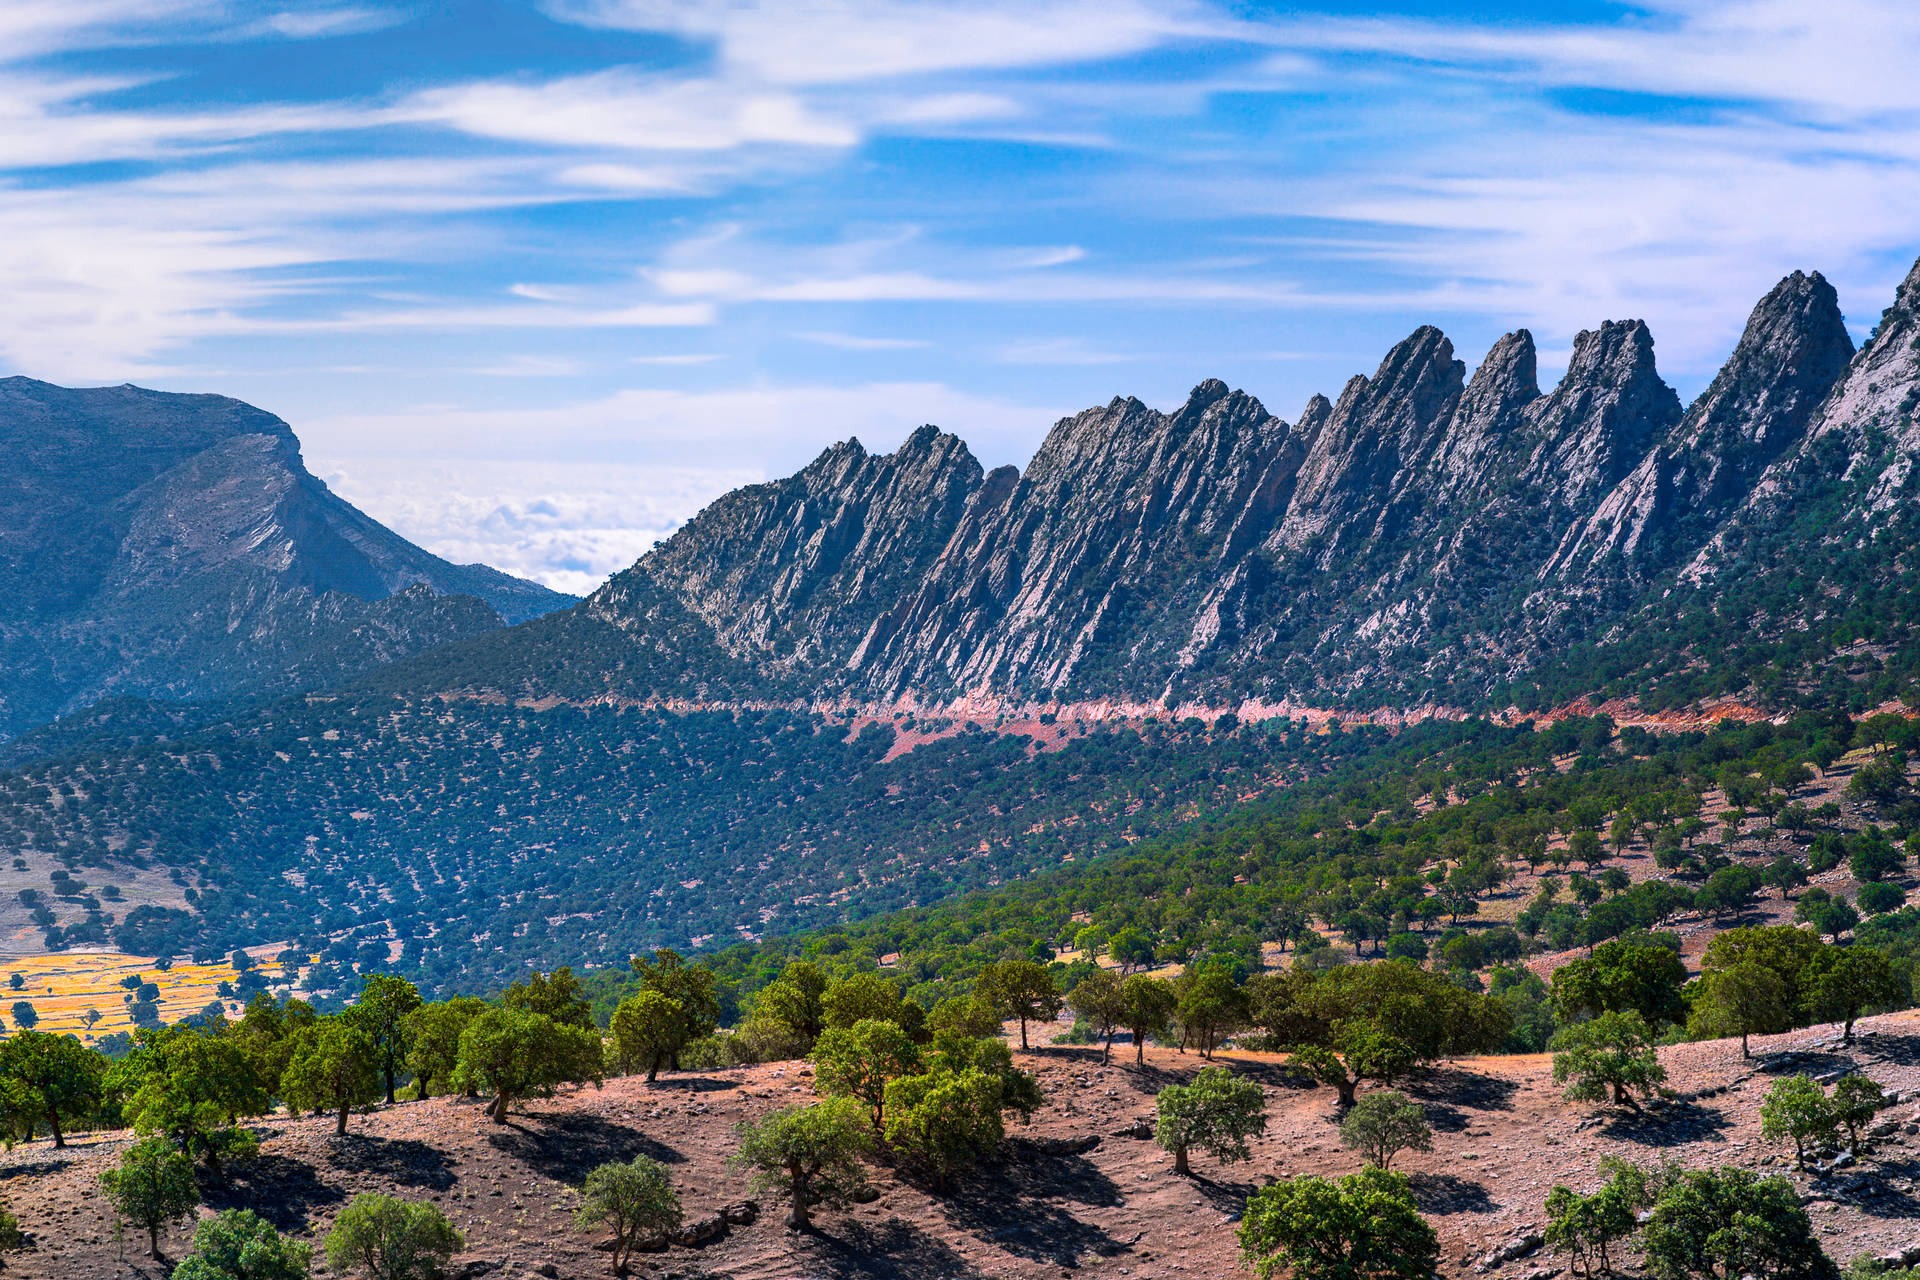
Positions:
(1021, 989)
(1849, 981)
(152, 1187)
(1326, 1067)
(391, 1239)
(1785, 873)
(1149, 1005)
(1098, 997)
(859, 1062)
(1829, 914)
(385, 1004)
(794, 1000)
(433, 1039)
(809, 1155)
(335, 1066)
(1383, 1124)
(1217, 1113)
(1730, 1223)
(636, 1201)
(1608, 1058)
(238, 1244)
(1797, 1109)
(944, 1121)
(57, 1076)
(646, 1031)
(1742, 1000)
(1856, 1100)
(514, 1054)
(24, 1015)
(1365, 1227)
(693, 985)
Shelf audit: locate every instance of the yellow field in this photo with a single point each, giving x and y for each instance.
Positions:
(63, 987)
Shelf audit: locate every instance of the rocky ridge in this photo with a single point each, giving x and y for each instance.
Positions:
(175, 546)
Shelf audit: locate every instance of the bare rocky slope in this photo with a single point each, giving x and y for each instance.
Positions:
(175, 547)
(1076, 1192)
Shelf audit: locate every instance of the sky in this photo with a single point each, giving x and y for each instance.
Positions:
(536, 280)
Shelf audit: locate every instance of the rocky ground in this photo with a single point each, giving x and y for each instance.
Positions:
(1074, 1193)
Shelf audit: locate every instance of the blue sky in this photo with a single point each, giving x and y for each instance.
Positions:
(536, 280)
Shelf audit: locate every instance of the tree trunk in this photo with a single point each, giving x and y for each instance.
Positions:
(1180, 1162)
(340, 1122)
(1743, 1046)
(389, 1084)
(1347, 1089)
(798, 1220)
(653, 1068)
(1846, 1038)
(499, 1109)
(53, 1123)
(1106, 1052)
(153, 1240)
(1023, 1031)
(1139, 1049)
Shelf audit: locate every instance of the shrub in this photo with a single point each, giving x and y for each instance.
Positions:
(391, 1239)
(152, 1187)
(635, 1200)
(1798, 1109)
(1383, 1124)
(1365, 1227)
(1732, 1222)
(1587, 1227)
(237, 1244)
(945, 1121)
(810, 1155)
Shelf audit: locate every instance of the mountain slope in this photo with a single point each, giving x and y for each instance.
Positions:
(175, 546)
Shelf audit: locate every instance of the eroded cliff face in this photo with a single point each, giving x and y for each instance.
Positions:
(1422, 530)
(175, 546)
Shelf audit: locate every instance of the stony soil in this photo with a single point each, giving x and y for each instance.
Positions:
(1503, 1137)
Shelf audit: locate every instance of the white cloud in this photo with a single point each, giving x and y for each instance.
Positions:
(842, 41)
(856, 342)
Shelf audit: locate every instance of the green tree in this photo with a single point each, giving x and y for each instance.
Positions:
(25, 1016)
(1619, 976)
(692, 985)
(1210, 1007)
(1383, 1124)
(647, 1030)
(1217, 1113)
(1745, 999)
(1849, 981)
(1586, 1228)
(57, 1075)
(944, 1121)
(264, 1036)
(1365, 1227)
(391, 1239)
(1725, 1223)
(1098, 998)
(1149, 1004)
(515, 1054)
(810, 1155)
(1021, 989)
(152, 1187)
(859, 1062)
(794, 1000)
(557, 997)
(1609, 1057)
(386, 1003)
(963, 1018)
(1856, 1100)
(192, 1087)
(335, 1066)
(238, 1244)
(635, 1200)
(864, 997)
(433, 1037)
(1796, 1109)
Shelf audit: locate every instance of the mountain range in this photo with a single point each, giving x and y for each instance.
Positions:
(890, 677)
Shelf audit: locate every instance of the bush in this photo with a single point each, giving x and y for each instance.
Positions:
(1383, 1124)
(1217, 1113)
(1732, 1222)
(635, 1200)
(239, 1245)
(1798, 1109)
(1365, 1227)
(810, 1155)
(945, 1121)
(391, 1239)
(1587, 1227)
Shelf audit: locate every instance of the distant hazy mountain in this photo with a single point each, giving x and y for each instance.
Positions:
(174, 546)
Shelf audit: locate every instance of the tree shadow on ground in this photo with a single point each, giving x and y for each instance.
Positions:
(1872, 1193)
(1673, 1125)
(1078, 1054)
(890, 1250)
(1151, 1079)
(1458, 1087)
(1227, 1197)
(1445, 1193)
(1794, 1062)
(405, 1162)
(1011, 1205)
(36, 1169)
(571, 1145)
(1903, 1050)
(282, 1190)
(688, 1082)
